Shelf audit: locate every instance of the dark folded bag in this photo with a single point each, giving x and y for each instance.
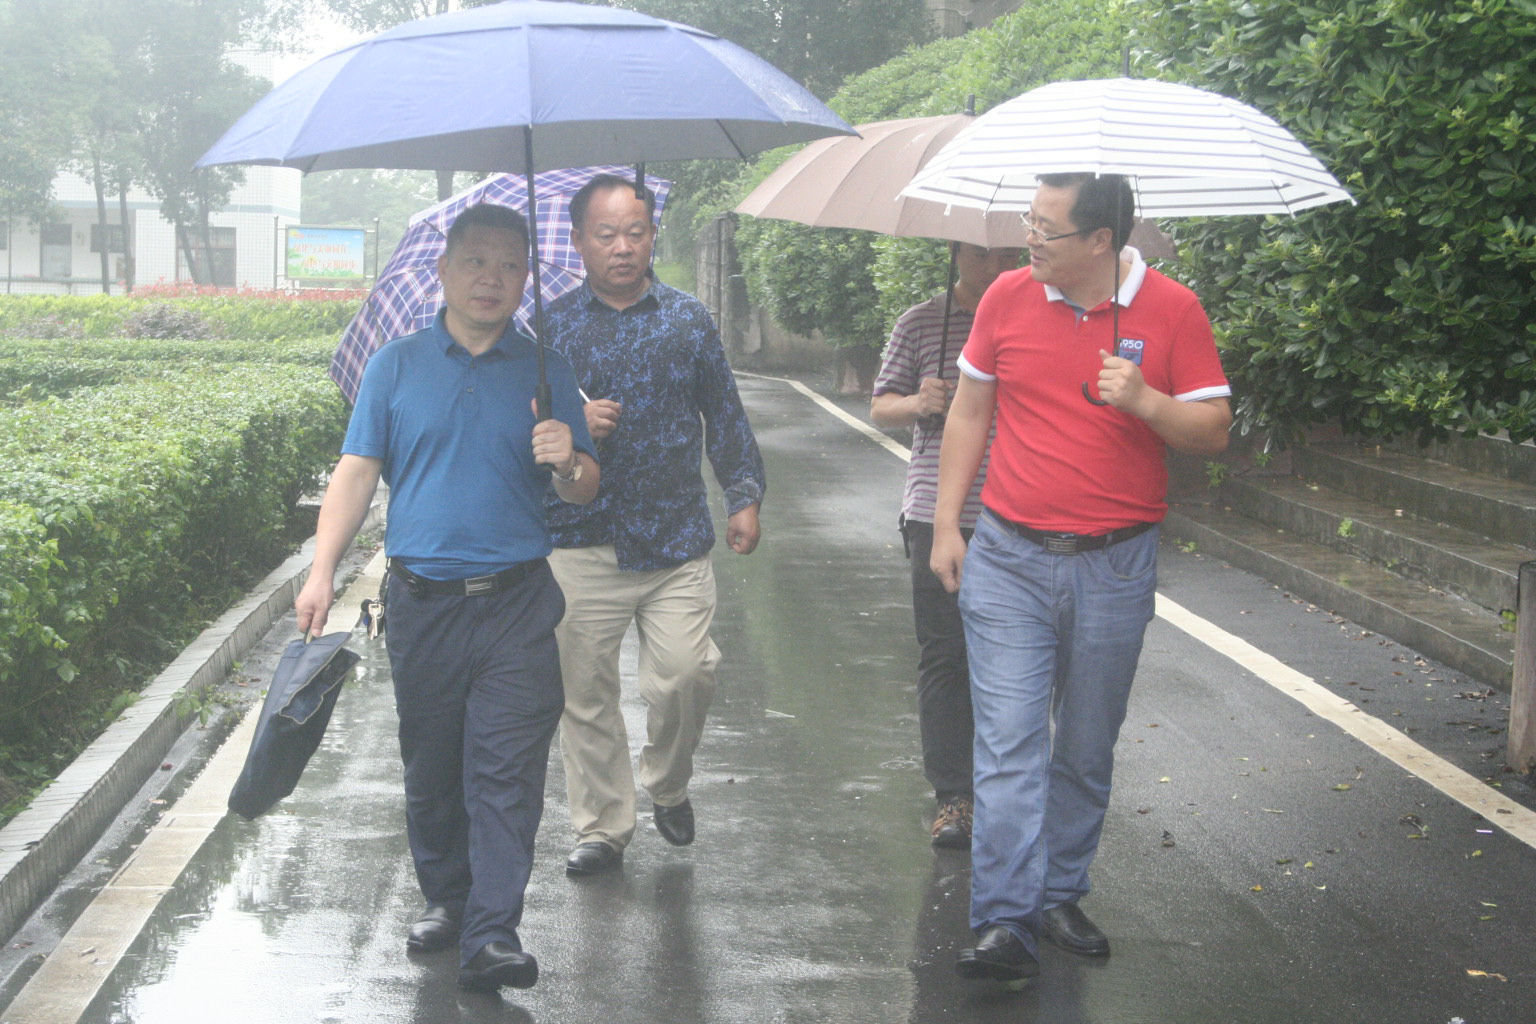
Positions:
(293, 718)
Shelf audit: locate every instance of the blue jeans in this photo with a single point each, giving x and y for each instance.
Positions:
(1053, 641)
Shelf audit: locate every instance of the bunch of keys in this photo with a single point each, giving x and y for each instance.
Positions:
(373, 618)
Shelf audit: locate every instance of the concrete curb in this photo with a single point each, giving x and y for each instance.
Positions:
(44, 842)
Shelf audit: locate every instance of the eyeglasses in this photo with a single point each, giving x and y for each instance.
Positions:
(1033, 230)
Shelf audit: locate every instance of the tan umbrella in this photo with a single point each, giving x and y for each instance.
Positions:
(830, 184)
(856, 182)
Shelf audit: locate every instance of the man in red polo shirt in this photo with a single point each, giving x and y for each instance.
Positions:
(1058, 583)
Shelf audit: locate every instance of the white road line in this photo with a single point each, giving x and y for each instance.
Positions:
(66, 983)
(896, 449)
(1464, 788)
(1460, 786)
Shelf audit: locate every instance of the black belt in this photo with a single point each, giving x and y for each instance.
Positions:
(475, 586)
(1072, 543)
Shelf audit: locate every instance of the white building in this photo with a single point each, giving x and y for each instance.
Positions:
(63, 256)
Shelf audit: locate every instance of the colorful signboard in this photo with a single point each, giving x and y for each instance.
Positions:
(325, 254)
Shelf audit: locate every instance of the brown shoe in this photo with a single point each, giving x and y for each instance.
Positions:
(952, 825)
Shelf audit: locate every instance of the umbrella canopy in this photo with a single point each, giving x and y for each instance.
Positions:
(1189, 152)
(408, 293)
(527, 85)
(856, 182)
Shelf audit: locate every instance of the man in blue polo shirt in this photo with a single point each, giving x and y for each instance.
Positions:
(446, 416)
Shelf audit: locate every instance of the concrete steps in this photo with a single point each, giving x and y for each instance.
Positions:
(1421, 545)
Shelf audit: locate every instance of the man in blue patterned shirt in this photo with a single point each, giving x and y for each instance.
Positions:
(660, 395)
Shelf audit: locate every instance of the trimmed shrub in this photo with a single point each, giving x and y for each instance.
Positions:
(164, 320)
(161, 313)
(36, 368)
(127, 513)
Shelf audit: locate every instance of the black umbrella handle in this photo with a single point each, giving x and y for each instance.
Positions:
(543, 402)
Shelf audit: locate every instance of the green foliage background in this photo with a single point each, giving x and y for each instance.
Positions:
(144, 484)
(851, 285)
(1413, 312)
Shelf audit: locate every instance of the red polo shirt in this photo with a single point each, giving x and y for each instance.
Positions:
(1059, 462)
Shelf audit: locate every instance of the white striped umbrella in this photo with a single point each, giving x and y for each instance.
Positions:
(1188, 152)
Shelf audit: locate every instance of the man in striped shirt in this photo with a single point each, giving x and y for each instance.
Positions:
(913, 389)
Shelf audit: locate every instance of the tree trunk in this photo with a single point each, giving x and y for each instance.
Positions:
(186, 250)
(105, 229)
(122, 216)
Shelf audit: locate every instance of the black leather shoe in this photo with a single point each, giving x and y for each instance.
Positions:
(675, 823)
(437, 928)
(1000, 955)
(593, 859)
(497, 964)
(1068, 927)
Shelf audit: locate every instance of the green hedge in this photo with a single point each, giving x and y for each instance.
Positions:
(33, 368)
(249, 318)
(1415, 311)
(128, 512)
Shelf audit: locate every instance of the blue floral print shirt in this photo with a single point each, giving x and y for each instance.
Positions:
(662, 361)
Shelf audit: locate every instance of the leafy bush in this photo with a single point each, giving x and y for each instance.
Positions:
(171, 313)
(852, 284)
(164, 320)
(36, 368)
(129, 511)
(1413, 312)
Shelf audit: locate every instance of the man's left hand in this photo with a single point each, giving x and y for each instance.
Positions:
(552, 446)
(1120, 382)
(743, 530)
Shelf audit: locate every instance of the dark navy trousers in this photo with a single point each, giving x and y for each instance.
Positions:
(478, 692)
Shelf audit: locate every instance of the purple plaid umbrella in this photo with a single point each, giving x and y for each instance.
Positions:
(408, 294)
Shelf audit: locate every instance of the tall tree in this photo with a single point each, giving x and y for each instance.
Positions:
(110, 44)
(195, 94)
(36, 120)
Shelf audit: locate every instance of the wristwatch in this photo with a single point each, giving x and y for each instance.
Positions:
(575, 472)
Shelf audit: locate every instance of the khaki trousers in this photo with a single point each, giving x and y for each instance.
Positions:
(672, 610)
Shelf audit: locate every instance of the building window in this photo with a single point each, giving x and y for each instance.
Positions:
(58, 262)
(221, 258)
(114, 238)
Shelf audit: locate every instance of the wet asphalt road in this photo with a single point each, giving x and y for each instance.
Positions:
(1258, 865)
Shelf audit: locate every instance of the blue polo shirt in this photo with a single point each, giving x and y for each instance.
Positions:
(455, 432)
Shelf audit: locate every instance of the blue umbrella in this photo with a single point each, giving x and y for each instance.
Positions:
(487, 88)
(408, 294)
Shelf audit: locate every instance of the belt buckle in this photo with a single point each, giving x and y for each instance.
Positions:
(1059, 545)
(478, 585)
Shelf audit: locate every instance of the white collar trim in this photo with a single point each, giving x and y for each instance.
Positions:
(1128, 287)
